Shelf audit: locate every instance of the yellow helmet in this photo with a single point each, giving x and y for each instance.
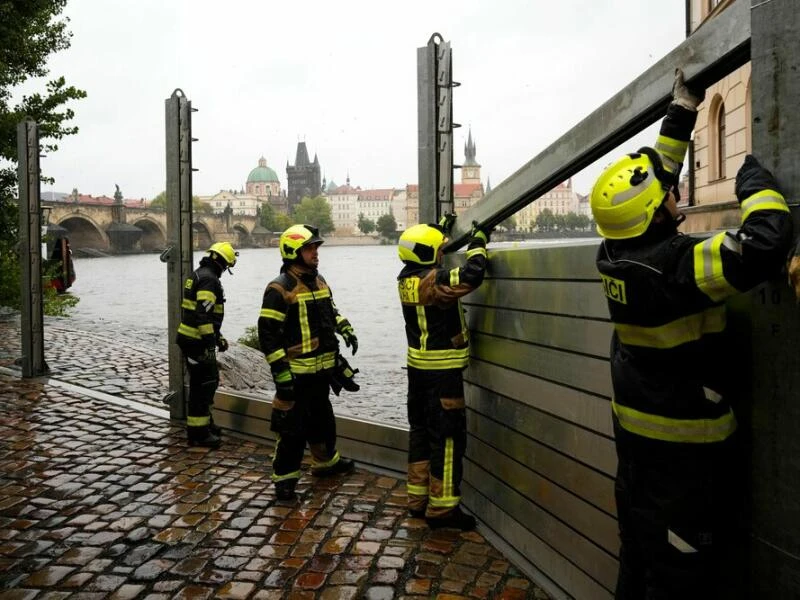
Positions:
(225, 251)
(296, 237)
(420, 244)
(627, 194)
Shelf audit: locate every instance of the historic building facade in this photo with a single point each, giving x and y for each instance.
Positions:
(303, 178)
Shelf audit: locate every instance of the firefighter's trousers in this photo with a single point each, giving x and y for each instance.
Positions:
(308, 418)
(203, 383)
(437, 440)
(680, 522)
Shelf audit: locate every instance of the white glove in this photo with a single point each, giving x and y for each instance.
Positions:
(682, 95)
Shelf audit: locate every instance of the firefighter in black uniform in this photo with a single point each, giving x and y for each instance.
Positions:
(297, 330)
(438, 351)
(199, 335)
(670, 361)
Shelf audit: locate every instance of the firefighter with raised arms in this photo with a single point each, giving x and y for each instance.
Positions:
(671, 355)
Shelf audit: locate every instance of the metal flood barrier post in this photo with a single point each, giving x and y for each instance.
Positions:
(30, 234)
(178, 254)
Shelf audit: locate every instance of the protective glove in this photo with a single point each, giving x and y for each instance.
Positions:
(222, 344)
(446, 222)
(348, 335)
(284, 383)
(684, 96)
(752, 178)
(480, 234)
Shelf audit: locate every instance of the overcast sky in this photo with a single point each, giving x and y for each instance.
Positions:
(342, 77)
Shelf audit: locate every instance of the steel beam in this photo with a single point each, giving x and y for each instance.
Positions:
(713, 51)
(30, 232)
(178, 255)
(427, 130)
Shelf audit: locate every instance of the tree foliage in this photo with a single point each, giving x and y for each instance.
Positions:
(198, 206)
(31, 31)
(272, 220)
(316, 212)
(365, 226)
(387, 227)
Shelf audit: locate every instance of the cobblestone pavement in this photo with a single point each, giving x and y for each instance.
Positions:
(105, 357)
(99, 500)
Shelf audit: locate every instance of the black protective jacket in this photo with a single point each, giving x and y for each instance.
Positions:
(436, 331)
(202, 309)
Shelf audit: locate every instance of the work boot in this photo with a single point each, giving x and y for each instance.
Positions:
(214, 428)
(455, 519)
(284, 490)
(343, 465)
(202, 436)
(417, 513)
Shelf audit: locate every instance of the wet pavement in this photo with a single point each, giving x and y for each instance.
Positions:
(101, 498)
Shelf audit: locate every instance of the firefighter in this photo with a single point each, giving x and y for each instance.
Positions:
(297, 330)
(199, 336)
(438, 351)
(674, 425)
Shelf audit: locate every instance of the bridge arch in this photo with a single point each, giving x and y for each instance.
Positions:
(242, 236)
(201, 235)
(84, 232)
(154, 237)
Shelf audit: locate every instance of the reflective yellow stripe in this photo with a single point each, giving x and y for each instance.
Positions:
(708, 270)
(431, 360)
(318, 295)
(763, 200)
(447, 499)
(190, 332)
(305, 330)
(680, 331)
(283, 376)
(339, 319)
(268, 313)
(219, 309)
(474, 251)
(206, 329)
(292, 475)
(422, 321)
(314, 364)
(417, 490)
(454, 277)
(277, 355)
(462, 318)
(694, 431)
(189, 304)
(198, 421)
(671, 148)
(326, 464)
(206, 295)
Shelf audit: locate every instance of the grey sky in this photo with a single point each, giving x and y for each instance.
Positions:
(341, 76)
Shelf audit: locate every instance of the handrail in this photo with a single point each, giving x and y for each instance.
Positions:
(716, 49)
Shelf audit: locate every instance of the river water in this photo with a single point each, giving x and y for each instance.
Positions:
(131, 292)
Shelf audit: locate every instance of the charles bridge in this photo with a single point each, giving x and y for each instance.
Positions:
(118, 228)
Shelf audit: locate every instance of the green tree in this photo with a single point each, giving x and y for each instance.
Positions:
(387, 227)
(572, 221)
(546, 221)
(509, 224)
(272, 220)
(583, 222)
(198, 206)
(316, 212)
(365, 226)
(30, 32)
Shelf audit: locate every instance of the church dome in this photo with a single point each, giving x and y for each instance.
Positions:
(262, 173)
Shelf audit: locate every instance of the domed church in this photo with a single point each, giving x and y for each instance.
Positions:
(263, 181)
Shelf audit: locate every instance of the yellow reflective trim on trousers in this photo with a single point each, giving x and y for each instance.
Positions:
(268, 313)
(189, 304)
(198, 421)
(328, 463)
(206, 295)
(708, 270)
(277, 355)
(417, 490)
(680, 331)
(454, 277)
(292, 475)
(190, 332)
(474, 251)
(447, 499)
(692, 431)
(206, 329)
(763, 200)
(314, 364)
(422, 321)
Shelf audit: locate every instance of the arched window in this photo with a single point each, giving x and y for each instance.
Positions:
(721, 142)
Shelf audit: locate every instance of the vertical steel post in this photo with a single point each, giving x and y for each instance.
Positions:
(426, 130)
(178, 255)
(30, 231)
(444, 128)
(775, 322)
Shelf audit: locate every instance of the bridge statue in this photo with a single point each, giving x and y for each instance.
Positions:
(117, 195)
